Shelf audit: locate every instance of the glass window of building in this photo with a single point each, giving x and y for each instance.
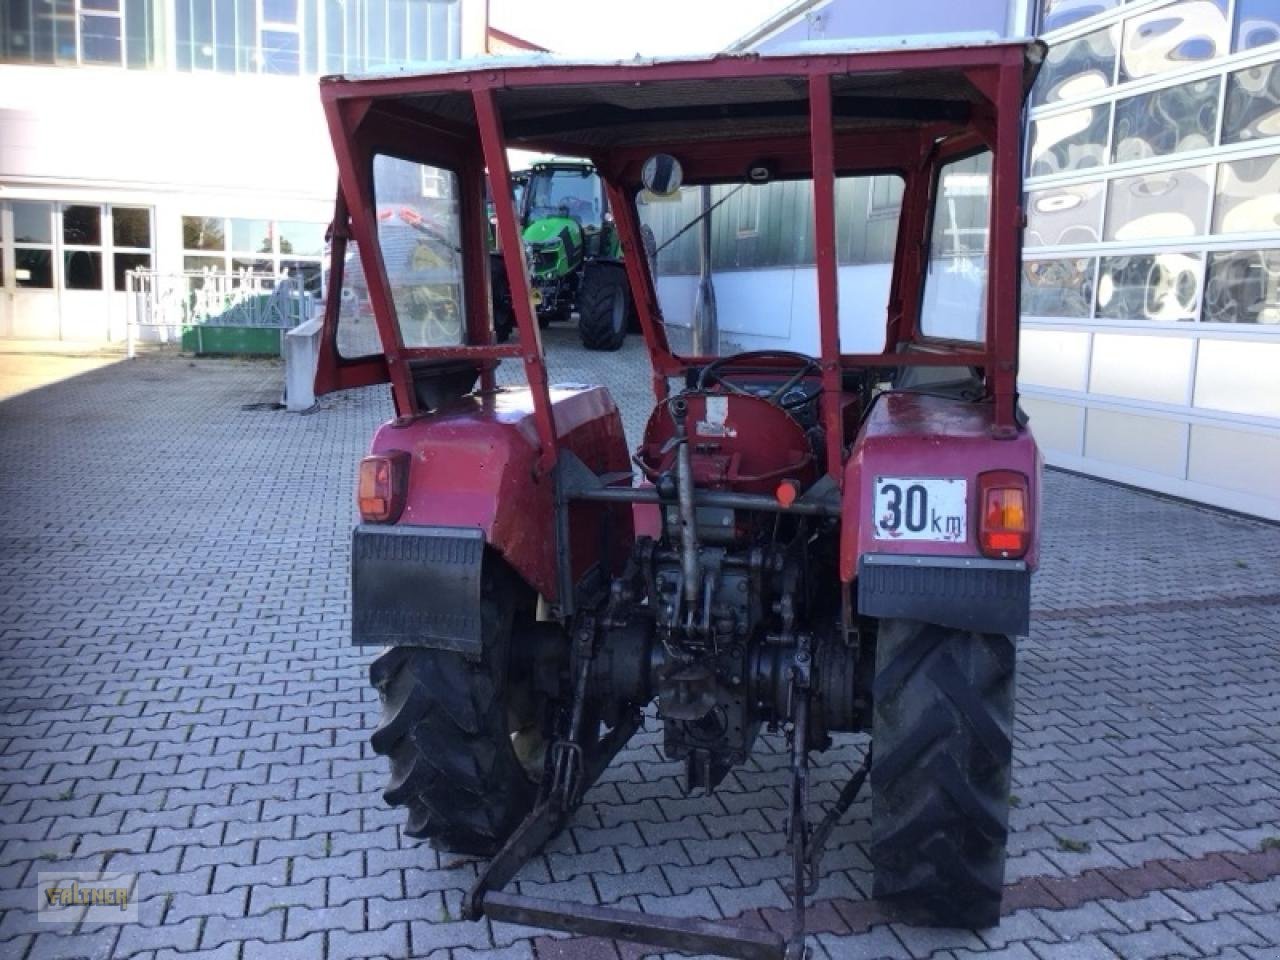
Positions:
(1077, 67)
(1056, 14)
(1252, 107)
(1243, 286)
(204, 233)
(1257, 24)
(1069, 141)
(1248, 196)
(131, 247)
(1058, 288)
(1174, 36)
(1165, 121)
(82, 247)
(259, 246)
(32, 243)
(1064, 215)
(93, 32)
(1169, 203)
(1150, 286)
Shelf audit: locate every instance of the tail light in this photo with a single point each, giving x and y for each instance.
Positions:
(384, 481)
(1004, 529)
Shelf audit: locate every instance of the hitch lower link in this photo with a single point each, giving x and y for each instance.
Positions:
(576, 765)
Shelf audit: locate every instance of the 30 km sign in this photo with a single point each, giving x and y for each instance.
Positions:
(920, 508)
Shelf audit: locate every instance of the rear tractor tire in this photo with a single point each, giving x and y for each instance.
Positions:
(604, 307)
(451, 730)
(943, 738)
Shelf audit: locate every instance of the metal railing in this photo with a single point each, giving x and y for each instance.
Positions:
(195, 300)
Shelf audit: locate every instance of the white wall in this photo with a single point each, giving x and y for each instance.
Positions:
(180, 143)
(778, 309)
(143, 130)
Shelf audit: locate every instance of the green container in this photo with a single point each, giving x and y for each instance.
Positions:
(232, 341)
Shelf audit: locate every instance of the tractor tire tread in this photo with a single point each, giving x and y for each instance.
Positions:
(943, 735)
(445, 731)
(596, 326)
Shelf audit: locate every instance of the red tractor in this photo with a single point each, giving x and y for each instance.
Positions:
(825, 543)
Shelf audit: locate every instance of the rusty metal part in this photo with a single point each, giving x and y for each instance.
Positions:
(711, 498)
(822, 833)
(545, 820)
(673, 933)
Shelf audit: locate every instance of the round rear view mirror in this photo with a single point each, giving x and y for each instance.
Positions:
(662, 174)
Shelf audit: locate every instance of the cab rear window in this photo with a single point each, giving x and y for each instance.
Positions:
(420, 243)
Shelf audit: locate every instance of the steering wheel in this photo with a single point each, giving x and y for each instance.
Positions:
(808, 366)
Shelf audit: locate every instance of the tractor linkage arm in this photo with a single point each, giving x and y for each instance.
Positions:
(577, 761)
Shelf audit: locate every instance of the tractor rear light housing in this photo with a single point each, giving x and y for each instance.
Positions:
(382, 487)
(1004, 525)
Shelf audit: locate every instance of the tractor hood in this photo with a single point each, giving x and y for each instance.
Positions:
(551, 228)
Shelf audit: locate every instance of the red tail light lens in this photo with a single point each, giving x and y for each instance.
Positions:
(380, 492)
(1005, 527)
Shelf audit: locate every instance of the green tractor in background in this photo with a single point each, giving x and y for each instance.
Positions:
(573, 254)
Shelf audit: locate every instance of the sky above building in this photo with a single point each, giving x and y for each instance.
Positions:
(615, 28)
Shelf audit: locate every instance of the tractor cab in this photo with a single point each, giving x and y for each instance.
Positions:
(826, 532)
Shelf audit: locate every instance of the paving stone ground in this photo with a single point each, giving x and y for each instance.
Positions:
(178, 700)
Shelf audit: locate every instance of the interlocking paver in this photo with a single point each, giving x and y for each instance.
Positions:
(179, 699)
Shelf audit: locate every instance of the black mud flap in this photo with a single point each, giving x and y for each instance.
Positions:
(989, 596)
(417, 587)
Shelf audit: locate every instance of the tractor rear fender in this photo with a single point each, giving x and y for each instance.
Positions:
(936, 573)
(473, 467)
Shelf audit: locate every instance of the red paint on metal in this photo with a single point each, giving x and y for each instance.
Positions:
(1006, 254)
(916, 435)
(750, 449)
(355, 172)
(333, 371)
(495, 155)
(475, 464)
(824, 242)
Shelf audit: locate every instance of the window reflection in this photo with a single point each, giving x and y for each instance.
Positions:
(33, 268)
(1252, 108)
(204, 233)
(1064, 215)
(1149, 286)
(1172, 203)
(82, 270)
(1077, 68)
(131, 226)
(1173, 36)
(1057, 288)
(1069, 141)
(1243, 287)
(955, 284)
(1166, 121)
(1257, 23)
(32, 221)
(125, 262)
(1248, 196)
(82, 225)
(1056, 14)
(251, 236)
(419, 239)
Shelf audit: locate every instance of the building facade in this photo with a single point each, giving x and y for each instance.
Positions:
(178, 135)
(1151, 279)
(1150, 335)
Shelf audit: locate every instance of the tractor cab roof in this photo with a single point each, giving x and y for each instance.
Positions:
(586, 108)
(815, 113)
